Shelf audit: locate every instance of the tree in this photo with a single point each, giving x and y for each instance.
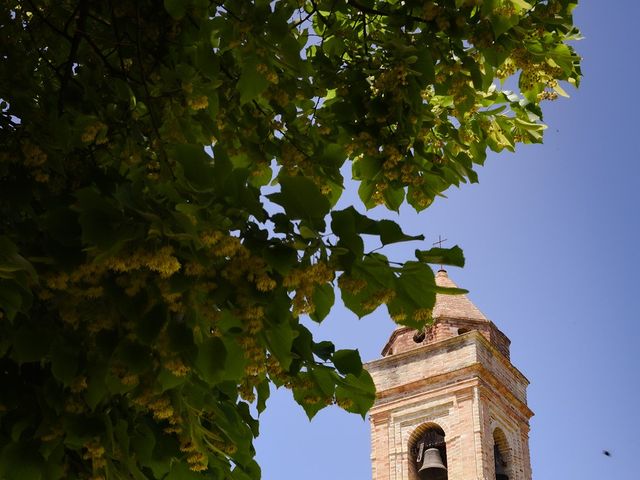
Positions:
(151, 289)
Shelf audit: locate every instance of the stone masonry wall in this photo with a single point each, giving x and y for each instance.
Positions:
(463, 385)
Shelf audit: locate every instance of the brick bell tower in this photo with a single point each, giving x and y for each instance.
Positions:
(450, 405)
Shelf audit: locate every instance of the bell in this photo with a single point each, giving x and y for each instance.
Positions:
(432, 467)
(501, 471)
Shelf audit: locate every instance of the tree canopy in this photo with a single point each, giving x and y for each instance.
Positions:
(169, 173)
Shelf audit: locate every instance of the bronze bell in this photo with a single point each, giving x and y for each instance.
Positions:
(432, 467)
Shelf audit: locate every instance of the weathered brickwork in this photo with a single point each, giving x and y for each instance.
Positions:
(459, 381)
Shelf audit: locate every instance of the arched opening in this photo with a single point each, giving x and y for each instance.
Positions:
(501, 455)
(462, 331)
(428, 453)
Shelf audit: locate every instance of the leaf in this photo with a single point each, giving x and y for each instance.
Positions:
(442, 256)
(325, 379)
(11, 261)
(310, 397)
(198, 169)
(302, 200)
(263, 392)
(150, 324)
(356, 394)
(390, 232)
(280, 339)
(348, 361)
(19, 461)
(324, 349)
(11, 299)
(136, 357)
(211, 360)
(30, 345)
(414, 292)
(521, 4)
(425, 66)
(251, 83)
(96, 386)
(176, 8)
(323, 299)
(393, 198)
(64, 362)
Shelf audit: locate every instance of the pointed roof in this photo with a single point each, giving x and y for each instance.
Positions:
(451, 314)
(454, 306)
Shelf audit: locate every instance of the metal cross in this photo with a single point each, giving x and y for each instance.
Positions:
(439, 244)
(440, 241)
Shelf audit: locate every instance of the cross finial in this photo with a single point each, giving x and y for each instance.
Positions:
(439, 243)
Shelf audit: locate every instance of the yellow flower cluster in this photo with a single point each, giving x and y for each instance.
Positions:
(292, 159)
(534, 72)
(161, 261)
(350, 284)
(91, 131)
(379, 297)
(198, 103)
(344, 403)
(275, 369)
(256, 357)
(130, 379)
(258, 275)
(56, 432)
(197, 462)
(79, 384)
(194, 269)
(173, 300)
(75, 404)
(95, 452)
(269, 74)
(177, 367)
(546, 95)
(161, 408)
(422, 314)
(253, 317)
(304, 281)
(34, 157)
(388, 80)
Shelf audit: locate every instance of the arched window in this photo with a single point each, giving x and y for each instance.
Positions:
(501, 456)
(428, 453)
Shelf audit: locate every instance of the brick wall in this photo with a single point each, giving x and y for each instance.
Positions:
(463, 384)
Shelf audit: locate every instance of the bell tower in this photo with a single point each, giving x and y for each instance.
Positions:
(450, 405)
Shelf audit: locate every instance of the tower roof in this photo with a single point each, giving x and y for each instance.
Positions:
(452, 315)
(454, 306)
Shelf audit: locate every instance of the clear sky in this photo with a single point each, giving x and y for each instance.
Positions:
(551, 235)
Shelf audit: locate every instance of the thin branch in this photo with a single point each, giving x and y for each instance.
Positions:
(375, 11)
(73, 51)
(302, 20)
(48, 23)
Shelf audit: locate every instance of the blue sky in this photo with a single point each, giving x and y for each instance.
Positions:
(551, 237)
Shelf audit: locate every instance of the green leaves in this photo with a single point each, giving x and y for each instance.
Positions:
(210, 361)
(197, 167)
(64, 361)
(348, 362)
(176, 8)
(356, 393)
(443, 256)
(302, 200)
(251, 83)
(12, 263)
(147, 280)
